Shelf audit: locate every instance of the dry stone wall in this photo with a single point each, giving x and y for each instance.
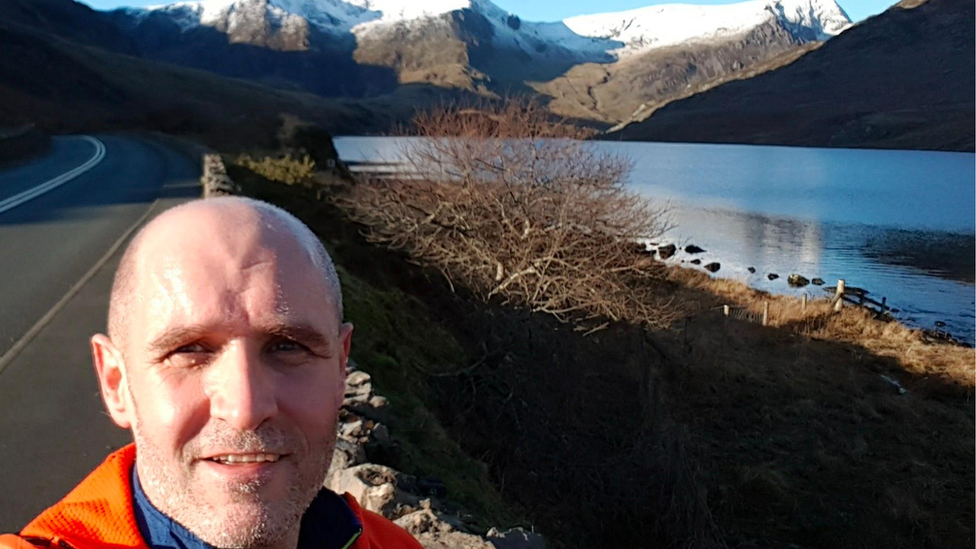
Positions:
(411, 503)
(215, 180)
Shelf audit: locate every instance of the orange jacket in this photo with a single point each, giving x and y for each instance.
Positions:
(98, 514)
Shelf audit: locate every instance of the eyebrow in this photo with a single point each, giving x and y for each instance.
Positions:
(300, 332)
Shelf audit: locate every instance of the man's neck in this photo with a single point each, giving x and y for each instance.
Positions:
(159, 529)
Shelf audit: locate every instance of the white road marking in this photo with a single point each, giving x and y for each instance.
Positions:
(52, 184)
(21, 343)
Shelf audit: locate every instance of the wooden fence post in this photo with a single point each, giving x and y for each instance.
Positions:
(803, 303)
(765, 313)
(839, 296)
(725, 309)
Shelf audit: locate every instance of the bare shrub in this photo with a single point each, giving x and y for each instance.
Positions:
(513, 205)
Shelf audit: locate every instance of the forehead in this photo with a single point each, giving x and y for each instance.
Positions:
(230, 267)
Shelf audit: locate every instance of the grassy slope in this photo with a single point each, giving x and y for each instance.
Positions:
(764, 437)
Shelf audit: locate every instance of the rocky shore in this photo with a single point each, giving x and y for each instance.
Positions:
(687, 257)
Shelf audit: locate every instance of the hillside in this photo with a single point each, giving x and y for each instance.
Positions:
(597, 67)
(902, 79)
(64, 86)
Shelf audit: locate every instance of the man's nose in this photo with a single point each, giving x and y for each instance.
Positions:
(242, 389)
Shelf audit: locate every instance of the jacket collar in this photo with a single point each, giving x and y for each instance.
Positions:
(99, 511)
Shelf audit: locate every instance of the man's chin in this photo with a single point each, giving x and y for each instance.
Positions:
(243, 524)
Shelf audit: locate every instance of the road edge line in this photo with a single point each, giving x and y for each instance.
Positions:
(34, 330)
(12, 202)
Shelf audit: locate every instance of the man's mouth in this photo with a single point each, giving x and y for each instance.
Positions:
(241, 459)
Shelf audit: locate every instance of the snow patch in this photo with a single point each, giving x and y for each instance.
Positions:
(616, 34)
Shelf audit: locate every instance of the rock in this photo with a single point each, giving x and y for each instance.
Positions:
(516, 538)
(432, 486)
(380, 433)
(817, 282)
(664, 252)
(797, 281)
(352, 430)
(772, 276)
(375, 487)
(752, 270)
(939, 324)
(713, 267)
(358, 379)
(696, 261)
(894, 383)
(376, 408)
(345, 455)
(436, 531)
(692, 249)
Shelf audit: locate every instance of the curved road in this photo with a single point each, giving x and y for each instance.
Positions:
(63, 223)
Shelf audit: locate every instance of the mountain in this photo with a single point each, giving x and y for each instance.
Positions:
(674, 50)
(598, 67)
(66, 85)
(902, 79)
(67, 19)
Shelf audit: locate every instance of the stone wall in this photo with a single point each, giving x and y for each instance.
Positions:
(412, 503)
(214, 179)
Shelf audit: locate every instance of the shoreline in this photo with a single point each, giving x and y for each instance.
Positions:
(698, 260)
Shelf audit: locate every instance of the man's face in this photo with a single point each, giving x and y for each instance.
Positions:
(234, 367)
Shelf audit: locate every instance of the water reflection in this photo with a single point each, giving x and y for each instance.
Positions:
(927, 275)
(899, 223)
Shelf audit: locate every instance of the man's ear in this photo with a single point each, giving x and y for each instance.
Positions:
(345, 339)
(110, 369)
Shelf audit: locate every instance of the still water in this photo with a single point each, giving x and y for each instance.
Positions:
(900, 224)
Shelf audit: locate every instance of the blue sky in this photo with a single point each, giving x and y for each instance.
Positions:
(554, 10)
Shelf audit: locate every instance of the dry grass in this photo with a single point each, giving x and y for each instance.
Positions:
(929, 363)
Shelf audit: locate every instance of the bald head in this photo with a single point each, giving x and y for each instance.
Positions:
(218, 234)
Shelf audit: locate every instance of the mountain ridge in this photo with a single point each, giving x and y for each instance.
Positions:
(476, 46)
(902, 79)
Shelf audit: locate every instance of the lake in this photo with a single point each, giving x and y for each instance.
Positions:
(900, 224)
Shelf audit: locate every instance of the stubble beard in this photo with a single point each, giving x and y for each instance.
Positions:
(252, 525)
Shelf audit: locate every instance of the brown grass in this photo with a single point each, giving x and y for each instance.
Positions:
(930, 364)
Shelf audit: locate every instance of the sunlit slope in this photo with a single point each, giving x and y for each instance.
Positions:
(902, 79)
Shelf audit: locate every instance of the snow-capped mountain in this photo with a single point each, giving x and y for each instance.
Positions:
(674, 24)
(363, 47)
(618, 32)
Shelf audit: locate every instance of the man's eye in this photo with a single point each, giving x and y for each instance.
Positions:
(286, 346)
(191, 348)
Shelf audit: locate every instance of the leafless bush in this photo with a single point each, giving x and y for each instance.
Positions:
(515, 206)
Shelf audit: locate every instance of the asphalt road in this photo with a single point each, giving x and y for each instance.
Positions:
(56, 268)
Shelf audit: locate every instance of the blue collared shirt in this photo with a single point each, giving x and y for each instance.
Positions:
(327, 524)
